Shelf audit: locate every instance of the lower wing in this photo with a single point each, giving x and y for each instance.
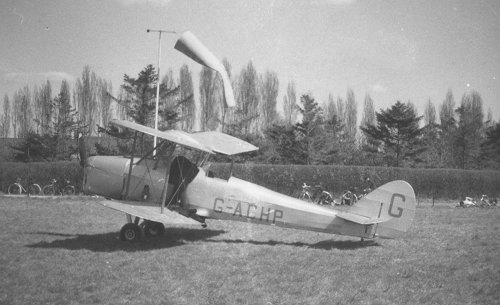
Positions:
(148, 211)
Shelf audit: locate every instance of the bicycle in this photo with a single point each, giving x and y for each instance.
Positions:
(18, 189)
(305, 194)
(54, 189)
(348, 198)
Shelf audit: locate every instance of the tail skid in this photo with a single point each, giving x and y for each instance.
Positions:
(391, 207)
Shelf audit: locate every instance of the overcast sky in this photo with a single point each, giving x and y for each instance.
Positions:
(393, 50)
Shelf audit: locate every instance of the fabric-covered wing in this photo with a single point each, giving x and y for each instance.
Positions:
(148, 212)
(223, 143)
(176, 136)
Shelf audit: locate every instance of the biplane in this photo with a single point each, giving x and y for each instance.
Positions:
(168, 186)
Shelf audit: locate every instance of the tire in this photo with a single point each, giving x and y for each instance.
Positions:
(34, 189)
(130, 232)
(49, 190)
(14, 189)
(69, 190)
(153, 229)
(305, 196)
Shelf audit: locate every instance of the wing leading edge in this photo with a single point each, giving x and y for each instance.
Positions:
(209, 141)
(148, 212)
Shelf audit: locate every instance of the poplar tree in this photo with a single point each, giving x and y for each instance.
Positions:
(290, 104)
(6, 117)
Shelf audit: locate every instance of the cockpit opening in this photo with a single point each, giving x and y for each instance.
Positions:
(182, 172)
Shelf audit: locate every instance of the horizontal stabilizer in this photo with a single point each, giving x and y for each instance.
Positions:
(362, 220)
(149, 212)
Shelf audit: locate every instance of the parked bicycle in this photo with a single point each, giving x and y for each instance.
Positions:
(17, 188)
(53, 188)
(310, 193)
(348, 198)
(305, 194)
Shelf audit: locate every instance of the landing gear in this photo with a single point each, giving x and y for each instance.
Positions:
(131, 232)
(153, 229)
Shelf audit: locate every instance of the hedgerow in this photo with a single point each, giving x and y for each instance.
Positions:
(428, 183)
(288, 179)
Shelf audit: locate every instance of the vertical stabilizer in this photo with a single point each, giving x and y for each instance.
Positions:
(394, 203)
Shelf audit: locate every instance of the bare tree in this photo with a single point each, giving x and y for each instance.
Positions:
(269, 86)
(469, 130)
(369, 117)
(290, 104)
(186, 92)
(6, 117)
(430, 113)
(86, 98)
(248, 98)
(351, 115)
(22, 110)
(209, 108)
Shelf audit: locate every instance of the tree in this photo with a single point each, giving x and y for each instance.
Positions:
(23, 113)
(490, 148)
(469, 131)
(397, 134)
(105, 88)
(290, 104)
(351, 115)
(6, 117)
(65, 125)
(186, 92)
(86, 98)
(209, 106)
(140, 94)
(248, 99)
(47, 108)
(368, 117)
(447, 130)
(309, 128)
(269, 87)
(431, 138)
(430, 113)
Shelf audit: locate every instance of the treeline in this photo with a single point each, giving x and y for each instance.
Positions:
(451, 135)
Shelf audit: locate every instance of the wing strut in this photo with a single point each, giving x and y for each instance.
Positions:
(130, 166)
(167, 177)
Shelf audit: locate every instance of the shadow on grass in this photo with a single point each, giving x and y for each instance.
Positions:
(324, 245)
(109, 242)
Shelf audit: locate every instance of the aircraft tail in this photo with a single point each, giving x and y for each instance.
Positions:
(392, 206)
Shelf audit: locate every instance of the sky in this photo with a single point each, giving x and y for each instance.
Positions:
(392, 50)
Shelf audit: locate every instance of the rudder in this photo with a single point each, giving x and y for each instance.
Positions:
(394, 203)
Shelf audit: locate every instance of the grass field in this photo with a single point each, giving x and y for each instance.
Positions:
(66, 251)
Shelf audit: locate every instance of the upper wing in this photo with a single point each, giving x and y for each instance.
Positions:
(148, 212)
(223, 143)
(210, 141)
(176, 136)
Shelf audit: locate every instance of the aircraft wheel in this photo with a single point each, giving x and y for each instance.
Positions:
(152, 229)
(130, 232)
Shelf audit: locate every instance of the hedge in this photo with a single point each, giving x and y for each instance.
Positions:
(288, 179)
(427, 183)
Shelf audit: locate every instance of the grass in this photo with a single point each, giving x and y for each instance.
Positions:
(66, 251)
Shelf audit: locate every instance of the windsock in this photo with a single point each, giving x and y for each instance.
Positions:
(192, 47)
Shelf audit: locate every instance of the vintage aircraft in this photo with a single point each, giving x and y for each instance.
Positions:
(171, 189)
